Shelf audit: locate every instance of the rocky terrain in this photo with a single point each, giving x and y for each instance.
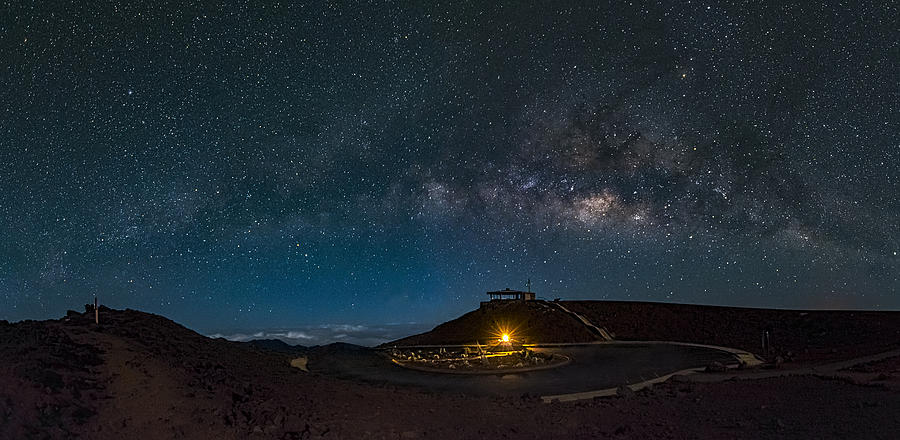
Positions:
(143, 376)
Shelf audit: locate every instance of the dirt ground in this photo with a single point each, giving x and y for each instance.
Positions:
(142, 376)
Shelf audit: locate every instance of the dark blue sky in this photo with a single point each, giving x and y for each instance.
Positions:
(256, 165)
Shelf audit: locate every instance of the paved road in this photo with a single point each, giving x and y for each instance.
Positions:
(593, 367)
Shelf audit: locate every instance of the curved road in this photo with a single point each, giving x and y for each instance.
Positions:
(593, 367)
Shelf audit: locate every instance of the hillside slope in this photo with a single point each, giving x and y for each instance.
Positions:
(138, 375)
(799, 334)
(527, 322)
(134, 373)
(793, 334)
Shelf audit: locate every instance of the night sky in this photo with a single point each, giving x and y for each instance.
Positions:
(258, 165)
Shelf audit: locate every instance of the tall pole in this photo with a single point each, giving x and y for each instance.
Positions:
(96, 311)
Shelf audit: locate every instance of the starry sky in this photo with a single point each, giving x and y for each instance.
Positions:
(246, 165)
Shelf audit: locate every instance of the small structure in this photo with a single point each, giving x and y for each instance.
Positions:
(511, 295)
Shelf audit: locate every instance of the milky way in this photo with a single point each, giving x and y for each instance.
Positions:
(268, 165)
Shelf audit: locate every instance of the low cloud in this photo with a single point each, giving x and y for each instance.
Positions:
(328, 333)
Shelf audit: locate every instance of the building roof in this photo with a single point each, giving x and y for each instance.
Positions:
(507, 291)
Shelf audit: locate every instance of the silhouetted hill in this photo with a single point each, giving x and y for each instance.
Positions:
(798, 334)
(135, 369)
(528, 322)
(278, 346)
(138, 375)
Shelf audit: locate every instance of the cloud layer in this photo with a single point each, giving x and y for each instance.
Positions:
(325, 334)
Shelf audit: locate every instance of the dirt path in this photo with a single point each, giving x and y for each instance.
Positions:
(834, 370)
(597, 331)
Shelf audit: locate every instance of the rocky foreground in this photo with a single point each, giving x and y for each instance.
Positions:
(143, 376)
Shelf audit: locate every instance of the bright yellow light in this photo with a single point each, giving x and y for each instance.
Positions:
(504, 333)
